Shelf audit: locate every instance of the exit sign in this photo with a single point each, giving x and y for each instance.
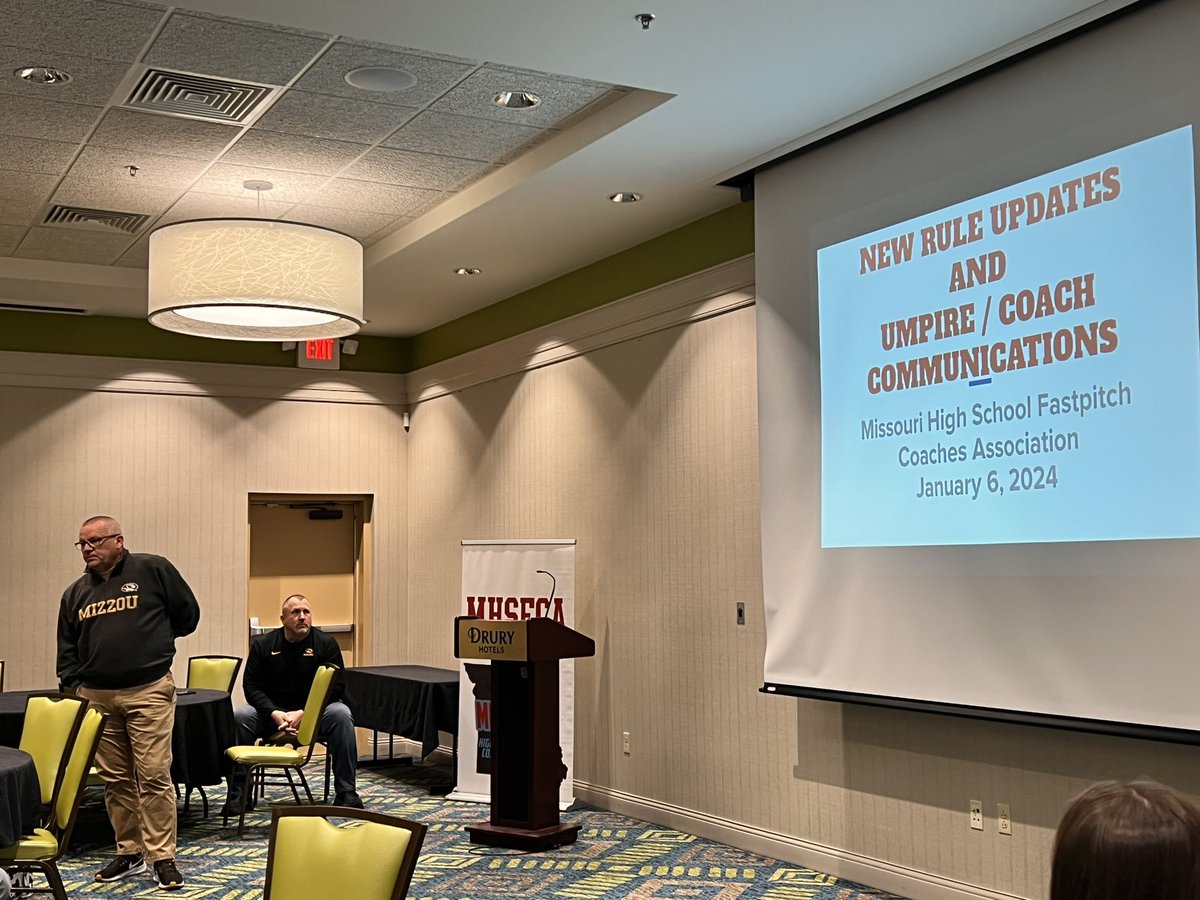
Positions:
(323, 354)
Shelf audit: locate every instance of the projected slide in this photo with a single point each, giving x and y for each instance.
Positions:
(1021, 367)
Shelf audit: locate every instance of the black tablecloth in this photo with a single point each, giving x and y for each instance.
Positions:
(204, 729)
(415, 702)
(20, 797)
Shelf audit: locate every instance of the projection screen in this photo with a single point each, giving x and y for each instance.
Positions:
(979, 393)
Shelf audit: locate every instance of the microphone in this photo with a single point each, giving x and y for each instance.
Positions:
(553, 584)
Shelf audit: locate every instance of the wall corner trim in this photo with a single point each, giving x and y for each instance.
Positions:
(141, 376)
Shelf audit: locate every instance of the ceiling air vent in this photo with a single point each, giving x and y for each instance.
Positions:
(196, 96)
(80, 217)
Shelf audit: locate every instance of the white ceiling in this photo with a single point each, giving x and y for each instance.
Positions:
(436, 177)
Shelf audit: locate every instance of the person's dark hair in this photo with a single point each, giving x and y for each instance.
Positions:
(1138, 840)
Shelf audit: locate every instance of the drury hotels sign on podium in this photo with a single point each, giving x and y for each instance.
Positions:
(481, 639)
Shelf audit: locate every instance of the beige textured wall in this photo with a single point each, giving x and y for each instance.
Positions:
(176, 471)
(645, 452)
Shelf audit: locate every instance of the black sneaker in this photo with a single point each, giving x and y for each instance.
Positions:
(348, 798)
(167, 876)
(121, 867)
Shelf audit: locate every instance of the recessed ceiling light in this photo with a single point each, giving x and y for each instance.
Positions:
(466, 270)
(625, 197)
(516, 100)
(380, 78)
(42, 75)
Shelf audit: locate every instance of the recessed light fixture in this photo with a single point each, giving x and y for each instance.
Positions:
(380, 78)
(625, 197)
(42, 75)
(466, 270)
(516, 99)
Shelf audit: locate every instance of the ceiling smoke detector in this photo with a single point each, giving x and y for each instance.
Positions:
(516, 100)
(380, 79)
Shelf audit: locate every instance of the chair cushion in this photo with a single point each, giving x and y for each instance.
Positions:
(315, 858)
(39, 845)
(249, 755)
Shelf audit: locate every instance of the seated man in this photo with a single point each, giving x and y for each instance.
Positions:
(279, 673)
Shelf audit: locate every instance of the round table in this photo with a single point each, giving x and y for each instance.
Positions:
(204, 729)
(20, 796)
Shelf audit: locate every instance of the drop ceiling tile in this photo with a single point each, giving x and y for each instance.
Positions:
(24, 188)
(106, 168)
(137, 256)
(94, 28)
(199, 205)
(80, 245)
(128, 196)
(357, 223)
(561, 97)
(462, 136)
(20, 212)
(10, 237)
(29, 117)
(227, 49)
(167, 135)
(395, 200)
(35, 155)
(289, 187)
(292, 152)
(414, 169)
(93, 81)
(434, 75)
(334, 118)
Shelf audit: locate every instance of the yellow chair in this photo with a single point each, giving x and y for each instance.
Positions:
(372, 857)
(51, 722)
(213, 673)
(40, 851)
(208, 673)
(257, 758)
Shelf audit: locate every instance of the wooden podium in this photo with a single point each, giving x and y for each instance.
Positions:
(527, 763)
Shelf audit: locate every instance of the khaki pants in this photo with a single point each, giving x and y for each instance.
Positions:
(134, 759)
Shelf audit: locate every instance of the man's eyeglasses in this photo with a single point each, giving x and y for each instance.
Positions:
(94, 542)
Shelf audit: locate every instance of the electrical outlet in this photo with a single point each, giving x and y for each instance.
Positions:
(741, 613)
(625, 742)
(1003, 818)
(976, 814)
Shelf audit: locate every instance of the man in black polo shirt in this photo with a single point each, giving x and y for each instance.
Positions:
(279, 674)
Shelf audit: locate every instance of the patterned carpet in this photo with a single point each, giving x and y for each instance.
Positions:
(615, 856)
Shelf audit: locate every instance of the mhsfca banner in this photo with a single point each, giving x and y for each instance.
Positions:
(512, 580)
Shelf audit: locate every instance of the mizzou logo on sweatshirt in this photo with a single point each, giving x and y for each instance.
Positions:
(104, 607)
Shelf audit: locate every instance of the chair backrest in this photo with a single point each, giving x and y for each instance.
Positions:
(213, 673)
(75, 776)
(315, 705)
(51, 723)
(371, 858)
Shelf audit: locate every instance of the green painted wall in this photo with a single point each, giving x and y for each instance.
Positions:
(707, 242)
(710, 241)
